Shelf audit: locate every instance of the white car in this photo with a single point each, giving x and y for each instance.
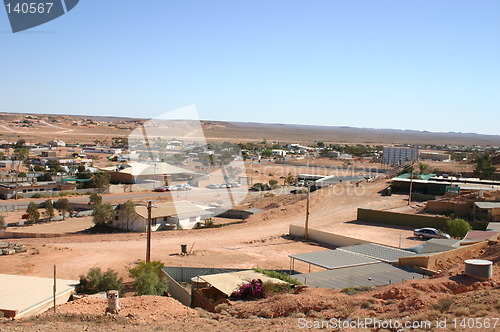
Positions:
(430, 233)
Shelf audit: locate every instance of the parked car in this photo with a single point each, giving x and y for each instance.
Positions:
(213, 186)
(430, 233)
(161, 189)
(183, 187)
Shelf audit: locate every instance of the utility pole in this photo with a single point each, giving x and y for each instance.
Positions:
(306, 230)
(148, 245)
(54, 290)
(411, 182)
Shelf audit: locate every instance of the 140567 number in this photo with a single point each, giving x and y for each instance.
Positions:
(30, 8)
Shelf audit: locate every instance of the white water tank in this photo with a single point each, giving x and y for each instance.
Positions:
(479, 268)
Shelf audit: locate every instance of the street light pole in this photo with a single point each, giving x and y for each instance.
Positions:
(148, 245)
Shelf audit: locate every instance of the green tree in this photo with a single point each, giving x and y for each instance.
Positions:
(267, 153)
(100, 180)
(20, 144)
(21, 154)
(81, 168)
(458, 228)
(94, 200)
(44, 177)
(62, 205)
(290, 179)
(96, 281)
(423, 167)
(2, 223)
(103, 214)
(49, 209)
(149, 278)
(126, 211)
(484, 167)
(33, 213)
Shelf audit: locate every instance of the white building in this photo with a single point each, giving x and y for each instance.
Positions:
(279, 153)
(164, 216)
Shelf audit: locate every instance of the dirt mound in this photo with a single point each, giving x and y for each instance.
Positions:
(141, 308)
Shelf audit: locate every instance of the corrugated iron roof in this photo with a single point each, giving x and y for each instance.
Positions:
(334, 259)
(356, 276)
(170, 209)
(488, 205)
(377, 251)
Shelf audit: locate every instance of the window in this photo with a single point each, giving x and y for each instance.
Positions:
(153, 221)
(193, 219)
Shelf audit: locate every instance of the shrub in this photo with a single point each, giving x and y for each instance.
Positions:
(458, 228)
(249, 291)
(260, 187)
(355, 290)
(2, 223)
(37, 195)
(270, 288)
(273, 184)
(149, 278)
(96, 281)
(278, 275)
(443, 304)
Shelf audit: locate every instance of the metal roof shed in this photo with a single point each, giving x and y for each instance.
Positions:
(377, 251)
(356, 276)
(331, 259)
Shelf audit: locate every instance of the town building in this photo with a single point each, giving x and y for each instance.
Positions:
(164, 216)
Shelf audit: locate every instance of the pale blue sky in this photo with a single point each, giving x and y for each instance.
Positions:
(426, 65)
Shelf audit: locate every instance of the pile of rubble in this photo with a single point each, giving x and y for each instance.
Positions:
(7, 248)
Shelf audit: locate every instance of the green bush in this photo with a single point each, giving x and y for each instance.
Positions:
(278, 275)
(458, 228)
(149, 278)
(96, 281)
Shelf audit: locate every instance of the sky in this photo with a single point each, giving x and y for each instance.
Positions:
(424, 65)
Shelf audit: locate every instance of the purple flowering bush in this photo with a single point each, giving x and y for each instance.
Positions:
(249, 291)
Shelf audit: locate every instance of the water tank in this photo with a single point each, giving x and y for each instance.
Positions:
(197, 282)
(479, 268)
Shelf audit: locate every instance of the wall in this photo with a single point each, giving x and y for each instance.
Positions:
(400, 219)
(20, 235)
(460, 209)
(409, 220)
(177, 291)
(325, 237)
(432, 261)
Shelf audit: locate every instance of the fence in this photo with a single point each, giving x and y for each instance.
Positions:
(431, 262)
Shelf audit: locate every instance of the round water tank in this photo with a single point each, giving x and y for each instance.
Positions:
(479, 268)
(197, 282)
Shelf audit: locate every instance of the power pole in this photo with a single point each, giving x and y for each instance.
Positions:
(411, 182)
(54, 290)
(148, 245)
(306, 230)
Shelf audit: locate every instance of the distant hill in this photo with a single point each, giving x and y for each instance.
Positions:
(308, 133)
(111, 126)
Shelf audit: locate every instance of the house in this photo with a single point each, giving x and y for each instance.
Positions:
(57, 143)
(28, 189)
(279, 153)
(164, 216)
